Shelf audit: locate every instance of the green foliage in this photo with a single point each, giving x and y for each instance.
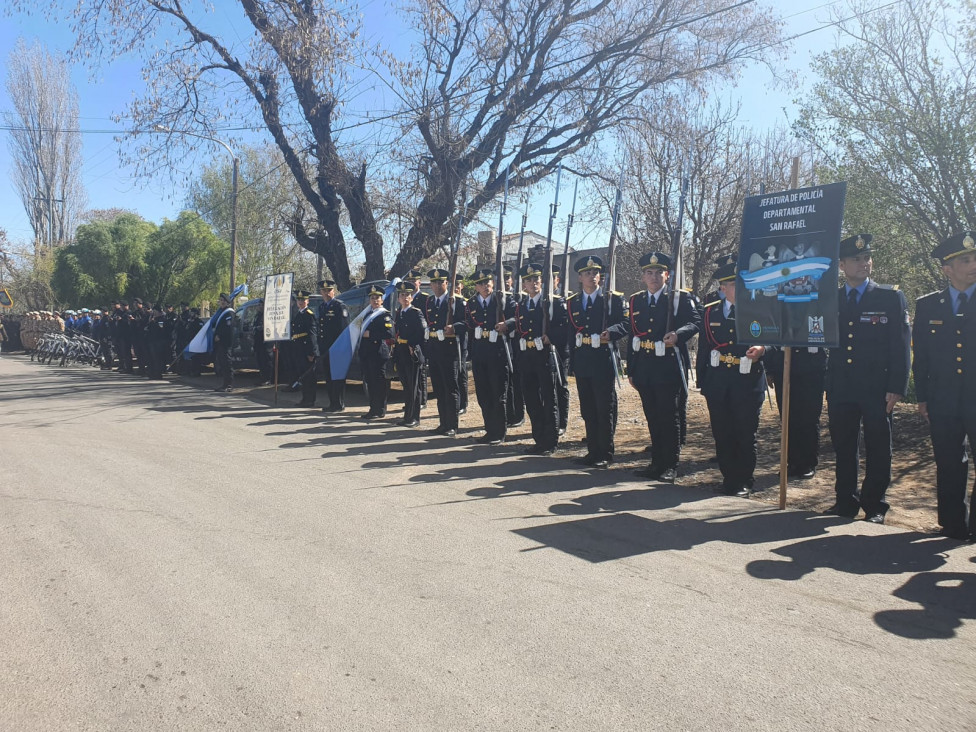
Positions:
(128, 257)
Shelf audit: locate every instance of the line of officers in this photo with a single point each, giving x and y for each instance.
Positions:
(523, 347)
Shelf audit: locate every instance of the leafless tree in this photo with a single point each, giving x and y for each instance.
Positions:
(488, 85)
(45, 143)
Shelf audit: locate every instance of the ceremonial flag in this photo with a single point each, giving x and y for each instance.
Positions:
(203, 341)
(342, 351)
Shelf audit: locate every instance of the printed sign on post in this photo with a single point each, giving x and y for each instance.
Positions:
(277, 306)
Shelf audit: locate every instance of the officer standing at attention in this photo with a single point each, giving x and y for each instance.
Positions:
(444, 314)
(408, 354)
(592, 315)
(562, 388)
(305, 347)
(733, 381)
(420, 302)
(657, 357)
(514, 403)
(333, 319)
(944, 343)
(537, 360)
(488, 359)
(462, 378)
(374, 352)
(808, 371)
(222, 341)
(866, 376)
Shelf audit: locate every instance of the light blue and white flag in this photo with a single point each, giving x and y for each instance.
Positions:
(203, 341)
(345, 346)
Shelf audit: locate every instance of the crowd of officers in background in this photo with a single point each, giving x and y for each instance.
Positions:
(523, 347)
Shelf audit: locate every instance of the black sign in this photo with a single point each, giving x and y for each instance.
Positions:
(5, 300)
(786, 289)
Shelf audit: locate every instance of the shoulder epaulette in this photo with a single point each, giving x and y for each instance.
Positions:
(637, 293)
(684, 289)
(618, 294)
(886, 287)
(574, 295)
(717, 302)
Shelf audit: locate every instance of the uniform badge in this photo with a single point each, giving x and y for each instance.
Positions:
(968, 242)
(653, 259)
(860, 242)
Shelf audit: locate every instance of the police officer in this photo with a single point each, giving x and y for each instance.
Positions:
(122, 336)
(444, 314)
(137, 333)
(463, 342)
(408, 353)
(562, 388)
(808, 371)
(413, 277)
(538, 345)
(488, 353)
(944, 344)
(259, 347)
(333, 319)
(374, 352)
(305, 345)
(657, 339)
(222, 342)
(514, 403)
(733, 381)
(157, 340)
(592, 314)
(866, 376)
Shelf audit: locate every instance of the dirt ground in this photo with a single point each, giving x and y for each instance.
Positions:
(911, 495)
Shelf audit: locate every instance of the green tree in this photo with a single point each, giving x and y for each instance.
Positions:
(106, 262)
(184, 260)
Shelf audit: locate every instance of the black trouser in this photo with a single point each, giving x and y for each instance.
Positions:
(949, 433)
(223, 366)
(539, 392)
(125, 355)
(444, 378)
(265, 363)
(491, 387)
(409, 371)
(598, 407)
(806, 406)
(683, 411)
(846, 419)
(157, 360)
(660, 402)
(515, 404)
(336, 387)
(462, 382)
(734, 415)
(106, 344)
(562, 393)
(310, 381)
(142, 354)
(374, 376)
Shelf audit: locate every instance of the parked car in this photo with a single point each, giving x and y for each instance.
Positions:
(356, 298)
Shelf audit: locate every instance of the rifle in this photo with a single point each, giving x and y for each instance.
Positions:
(569, 227)
(500, 295)
(547, 313)
(611, 255)
(452, 268)
(678, 272)
(518, 259)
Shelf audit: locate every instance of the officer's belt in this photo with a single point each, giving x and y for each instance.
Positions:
(529, 342)
(404, 341)
(587, 340)
(649, 345)
(433, 332)
(730, 360)
(296, 336)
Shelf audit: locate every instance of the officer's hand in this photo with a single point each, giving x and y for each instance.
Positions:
(365, 334)
(890, 401)
(923, 409)
(310, 358)
(216, 338)
(605, 336)
(501, 328)
(756, 352)
(448, 330)
(546, 341)
(670, 338)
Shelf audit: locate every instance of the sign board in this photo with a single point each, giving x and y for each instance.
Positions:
(786, 289)
(277, 306)
(5, 300)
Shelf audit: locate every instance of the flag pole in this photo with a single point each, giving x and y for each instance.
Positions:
(784, 440)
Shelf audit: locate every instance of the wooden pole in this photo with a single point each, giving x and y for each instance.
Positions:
(276, 375)
(784, 439)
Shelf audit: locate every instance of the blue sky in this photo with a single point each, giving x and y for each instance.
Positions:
(111, 185)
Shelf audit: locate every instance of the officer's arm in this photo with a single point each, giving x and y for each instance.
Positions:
(900, 356)
(920, 349)
(691, 318)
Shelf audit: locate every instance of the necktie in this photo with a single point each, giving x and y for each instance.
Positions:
(731, 312)
(531, 304)
(961, 301)
(852, 298)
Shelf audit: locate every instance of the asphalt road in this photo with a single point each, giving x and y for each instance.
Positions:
(175, 559)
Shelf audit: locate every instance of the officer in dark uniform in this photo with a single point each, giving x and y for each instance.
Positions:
(944, 343)
(123, 337)
(223, 340)
(265, 363)
(172, 318)
(462, 378)
(808, 371)
(514, 403)
(305, 346)
(488, 358)
(408, 353)
(733, 381)
(657, 354)
(413, 277)
(444, 314)
(157, 342)
(374, 352)
(538, 347)
(592, 315)
(867, 374)
(333, 319)
(137, 332)
(107, 333)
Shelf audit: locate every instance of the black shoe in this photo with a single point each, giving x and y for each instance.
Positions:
(713, 459)
(462, 410)
(496, 441)
(409, 423)
(561, 431)
(648, 448)
(875, 518)
(484, 440)
(511, 425)
(539, 450)
(601, 464)
(586, 459)
(961, 535)
(838, 510)
(304, 403)
(806, 474)
(668, 476)
(368, 415)
(651, 472)
(743, 491)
